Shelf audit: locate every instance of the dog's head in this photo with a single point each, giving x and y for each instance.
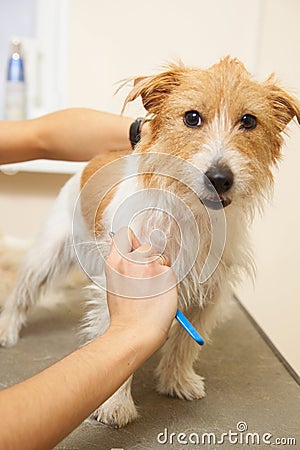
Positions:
(221, 120)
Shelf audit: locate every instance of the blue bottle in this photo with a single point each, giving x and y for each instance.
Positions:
(15, 105)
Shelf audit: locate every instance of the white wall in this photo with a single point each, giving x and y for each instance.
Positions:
(110, 41)
(275, 301)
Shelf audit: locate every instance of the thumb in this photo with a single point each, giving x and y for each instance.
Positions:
(135, 243)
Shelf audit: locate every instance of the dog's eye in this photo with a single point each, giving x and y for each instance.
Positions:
(192, 119)
(248, 122)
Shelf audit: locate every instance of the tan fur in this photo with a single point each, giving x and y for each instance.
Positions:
(97, 195)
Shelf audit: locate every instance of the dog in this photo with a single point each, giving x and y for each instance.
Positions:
(214, 137)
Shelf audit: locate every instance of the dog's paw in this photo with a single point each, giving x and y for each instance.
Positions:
(9, 332)
(189, 386)
(116, 414)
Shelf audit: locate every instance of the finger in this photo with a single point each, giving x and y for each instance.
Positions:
(162, 259)
(135, 243)
(148, 253)
(141, 253)
(123, 242)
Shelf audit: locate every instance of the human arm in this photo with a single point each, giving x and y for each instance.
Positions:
(56, 400)
(74, 134)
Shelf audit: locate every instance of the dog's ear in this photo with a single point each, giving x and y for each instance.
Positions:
(154, 89)
(285, 106)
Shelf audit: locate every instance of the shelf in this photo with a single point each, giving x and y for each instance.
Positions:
(43, 166)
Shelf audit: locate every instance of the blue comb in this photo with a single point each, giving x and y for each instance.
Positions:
(186, 324)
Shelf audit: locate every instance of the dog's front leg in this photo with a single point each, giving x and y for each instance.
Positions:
(119, 409)
(175, 372)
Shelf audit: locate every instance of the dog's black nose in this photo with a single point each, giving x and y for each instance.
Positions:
(220, 178)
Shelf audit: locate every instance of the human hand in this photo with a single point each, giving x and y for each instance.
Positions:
(141, 289)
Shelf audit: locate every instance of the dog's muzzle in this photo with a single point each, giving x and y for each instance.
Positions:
(218, 180)
(216, 204)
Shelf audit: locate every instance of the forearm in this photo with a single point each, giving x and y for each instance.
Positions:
(19, 142)
(79, 134)
(56, 401)
(75, 134)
